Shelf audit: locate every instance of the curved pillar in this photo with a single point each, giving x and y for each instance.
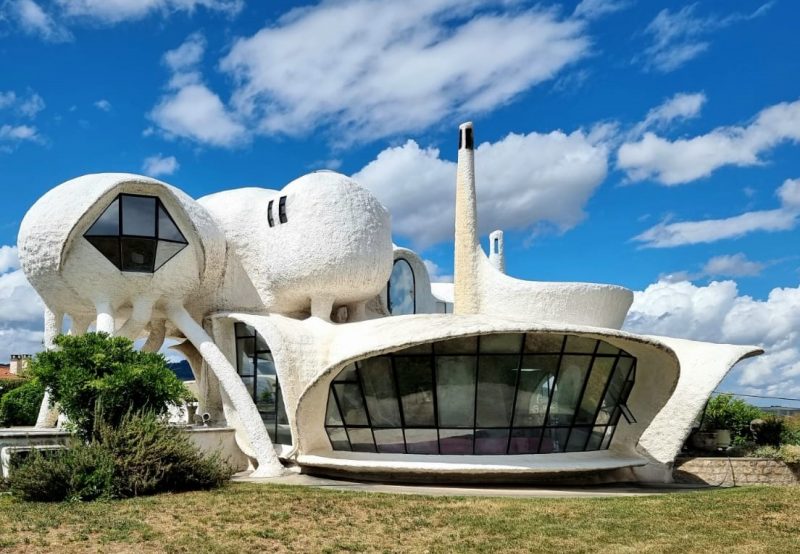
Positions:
(249, 418)
(140, 316)
(105, 317)
(155, 340)
(53, 326)
(80, 325)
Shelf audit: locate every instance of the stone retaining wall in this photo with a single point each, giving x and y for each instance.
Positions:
(729, 472)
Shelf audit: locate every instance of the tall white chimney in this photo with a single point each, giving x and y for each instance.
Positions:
(465, 277)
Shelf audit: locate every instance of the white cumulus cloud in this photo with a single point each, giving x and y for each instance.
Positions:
(718, 313)
(675, 162)
(368, 69)
(681, 106)
(33, 20)
(667, 234)
(116, 11)
(21, 314)
(522, 181)
(160, 165)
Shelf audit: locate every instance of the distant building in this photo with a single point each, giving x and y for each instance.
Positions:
(781, 411)
(324, 346)
(17, 366)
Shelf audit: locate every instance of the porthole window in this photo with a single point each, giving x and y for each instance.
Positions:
(509, 393)
(401, 293)
(136, 234)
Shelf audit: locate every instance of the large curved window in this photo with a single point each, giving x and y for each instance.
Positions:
(257, 369)
(401, 293)
(494, 394)
(136, 234)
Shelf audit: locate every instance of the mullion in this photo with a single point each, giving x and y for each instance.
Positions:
(600, 403)
(477, 355)
(581, 394)
(618, 411)
(399, 403)
(552, 392)
(341, 415)
(516, 392)
(364, 403)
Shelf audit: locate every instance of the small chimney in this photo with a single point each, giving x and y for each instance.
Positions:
(497, 255)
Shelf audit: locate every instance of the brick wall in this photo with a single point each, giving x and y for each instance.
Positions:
(735, 471)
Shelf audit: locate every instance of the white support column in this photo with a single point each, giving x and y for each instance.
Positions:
(250, 419)
(140, 316)
(53, 326)
(105, 317)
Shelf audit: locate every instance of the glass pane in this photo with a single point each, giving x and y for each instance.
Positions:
(491, 441)
(139, 216)
(361, 440)
(568, 389)
(167, 228)
(578, 438)
(545, 343)
(108, 247)
(415, 379)
(389, 440)
(338, 438)
(351, 404)
(456, 390)
(455, 441)
(607, 438)
(606, 348)
(166, 251)
(597, 437)
(348, 374)
(382, 401)
(284, 434)
(525, 441)
(244, 363)
(332, 416)
(265, 364)
(401, 288)
(497, 377)
(424, 348)
(266, 397)
(554, 440)
(615, 389)
(601, 371)
(579, 345)
(138, 255)
(108, 223)
(501, 343)
(261, 344)
(243, 330)
(461, 345)
(535, 383)
(422, 441)
(248, 384)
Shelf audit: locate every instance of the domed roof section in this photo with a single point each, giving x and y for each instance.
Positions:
(321, 182)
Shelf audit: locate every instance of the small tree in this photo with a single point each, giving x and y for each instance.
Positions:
(726, 412)
(20, 405)
(94, 375)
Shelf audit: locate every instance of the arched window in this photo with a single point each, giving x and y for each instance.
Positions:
(510, 393)
(257, 369)
(401, 290)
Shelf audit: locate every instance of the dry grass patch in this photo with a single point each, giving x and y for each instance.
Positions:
(255, 517)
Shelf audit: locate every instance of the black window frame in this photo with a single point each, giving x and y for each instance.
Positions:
(619, 407)
(270, 219)
(282, 209)
(413, 285)
(121, 236)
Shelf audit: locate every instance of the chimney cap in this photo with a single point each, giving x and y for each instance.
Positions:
(466, 125)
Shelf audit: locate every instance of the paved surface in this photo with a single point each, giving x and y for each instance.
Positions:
(492, 491)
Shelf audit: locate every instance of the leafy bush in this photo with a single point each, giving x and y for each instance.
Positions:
(770, 452)
(7, 385)
(726, 412)
(791, 430)
(83, 472)
(139, 457)
(95, 374)
(769, 431)
(790, 453)
(152, 457)
(20, 406)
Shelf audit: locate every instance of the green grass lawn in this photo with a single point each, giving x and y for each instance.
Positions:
(265, 518)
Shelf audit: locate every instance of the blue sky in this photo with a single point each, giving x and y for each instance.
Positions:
(648, 144)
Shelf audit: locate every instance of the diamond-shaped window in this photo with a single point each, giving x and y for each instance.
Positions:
(137, 234)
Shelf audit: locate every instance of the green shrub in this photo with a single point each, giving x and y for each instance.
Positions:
(769, 432)
(7, 385)
(152, 457)
(20, 406)
(82, 472)
(139, 457)
(790, 453)
(95, 374)
(770, 452)
(791, 430)
(726, 412)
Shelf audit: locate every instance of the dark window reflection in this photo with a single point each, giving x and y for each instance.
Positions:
(136, 234)
(506, 393)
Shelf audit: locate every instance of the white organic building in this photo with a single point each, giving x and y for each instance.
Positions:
(319, 343)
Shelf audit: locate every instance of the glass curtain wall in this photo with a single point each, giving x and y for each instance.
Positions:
(257, 370)
(494, 394)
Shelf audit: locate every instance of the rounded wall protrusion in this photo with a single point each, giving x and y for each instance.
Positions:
(497, 255)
